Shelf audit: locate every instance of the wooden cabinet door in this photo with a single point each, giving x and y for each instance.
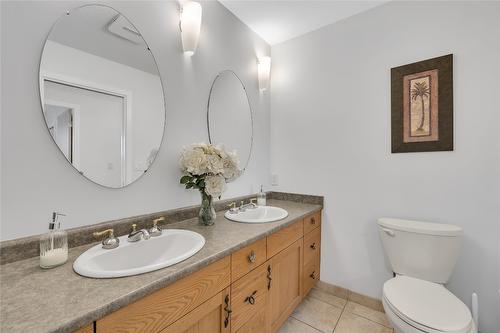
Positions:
(258, 323)
(248, 295)
(285, 288)
(210, 317)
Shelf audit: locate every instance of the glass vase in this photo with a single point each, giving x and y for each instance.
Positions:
(207, 212)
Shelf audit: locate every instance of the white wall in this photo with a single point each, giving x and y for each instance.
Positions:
(36, 179)
(330, 135)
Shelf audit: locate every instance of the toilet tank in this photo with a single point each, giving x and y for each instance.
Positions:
(422, 250)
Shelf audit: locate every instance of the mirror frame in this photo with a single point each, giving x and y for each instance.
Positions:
(250, 110)
(40, 89)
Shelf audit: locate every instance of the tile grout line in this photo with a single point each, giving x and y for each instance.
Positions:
(373, 321)
(303, 322)
(340, 317)
(345, 306)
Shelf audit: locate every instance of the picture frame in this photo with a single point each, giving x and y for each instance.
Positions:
(422, 106)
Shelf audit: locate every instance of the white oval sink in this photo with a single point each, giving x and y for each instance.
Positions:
(261, 214)
(171, 247)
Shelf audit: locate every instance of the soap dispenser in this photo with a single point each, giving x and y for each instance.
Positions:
(54, 244)
(261, 197)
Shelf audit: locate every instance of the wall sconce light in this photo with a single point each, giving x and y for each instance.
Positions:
(264, 72)
(190, 25)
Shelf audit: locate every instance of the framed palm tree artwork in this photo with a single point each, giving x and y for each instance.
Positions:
(422, 106)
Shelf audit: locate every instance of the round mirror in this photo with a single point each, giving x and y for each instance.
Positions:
(102, 96)
(229, 115)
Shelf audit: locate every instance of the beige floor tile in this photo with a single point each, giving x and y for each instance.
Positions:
(318, 314)
(292, 325)
(363, 311)
(327, 298)
(351, 323)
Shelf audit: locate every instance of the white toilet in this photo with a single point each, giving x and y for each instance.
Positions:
(422, 255)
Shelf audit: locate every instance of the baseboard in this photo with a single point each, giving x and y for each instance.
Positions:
(370, 302)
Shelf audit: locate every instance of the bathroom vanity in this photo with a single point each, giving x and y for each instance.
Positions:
(247, 278)
(254, 289)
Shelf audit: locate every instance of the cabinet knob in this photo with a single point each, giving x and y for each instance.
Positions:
(313, 275)
(313, 246)
(313, 220)
(252, 256)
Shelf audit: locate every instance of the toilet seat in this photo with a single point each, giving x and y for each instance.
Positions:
(427, 306)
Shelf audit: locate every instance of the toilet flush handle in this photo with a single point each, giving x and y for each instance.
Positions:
(389, 232)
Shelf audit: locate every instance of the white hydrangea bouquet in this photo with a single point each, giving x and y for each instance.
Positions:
(208, 168)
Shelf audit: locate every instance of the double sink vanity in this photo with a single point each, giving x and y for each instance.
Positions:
(229, 277)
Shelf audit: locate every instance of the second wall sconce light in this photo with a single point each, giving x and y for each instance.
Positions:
(264, 72)
(190, 24)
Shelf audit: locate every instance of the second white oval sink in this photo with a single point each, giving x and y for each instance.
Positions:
(171, 247)
(261, 214)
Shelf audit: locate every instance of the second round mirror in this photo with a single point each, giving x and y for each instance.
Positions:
(229, 115)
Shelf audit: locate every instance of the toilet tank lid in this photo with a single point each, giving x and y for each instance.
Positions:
(429, 228)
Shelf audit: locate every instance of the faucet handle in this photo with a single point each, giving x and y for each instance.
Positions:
(232, 205)
(109, 242)
(253, 201)
(134, 227)
(158, 220)
(155, 230)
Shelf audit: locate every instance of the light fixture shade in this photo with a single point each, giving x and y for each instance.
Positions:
(190, 26)
(264, 72)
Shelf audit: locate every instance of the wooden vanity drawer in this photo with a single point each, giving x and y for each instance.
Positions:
(312, 222)
(155, 312)
(310, 277)
(280, 240)
(312, 246)
(248, 296)
(248, 258)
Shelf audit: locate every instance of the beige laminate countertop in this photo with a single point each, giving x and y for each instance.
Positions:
(59, 300)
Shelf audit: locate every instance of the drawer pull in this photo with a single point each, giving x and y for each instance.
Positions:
(313, 220)
(269, 277)
(228, 311)
(313, 246)
(251, 299)
(252, 256)
(313, 275)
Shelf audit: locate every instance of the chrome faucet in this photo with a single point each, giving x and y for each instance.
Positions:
(136, 235)
(110, 241)
(155, 230)
(251, 205)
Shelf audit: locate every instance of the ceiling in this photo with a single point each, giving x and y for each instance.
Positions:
(279, 20)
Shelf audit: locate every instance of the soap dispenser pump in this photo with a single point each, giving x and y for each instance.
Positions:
(54, 244)
(261, 197)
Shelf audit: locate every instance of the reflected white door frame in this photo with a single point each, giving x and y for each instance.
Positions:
(126, 136)
(75, 114)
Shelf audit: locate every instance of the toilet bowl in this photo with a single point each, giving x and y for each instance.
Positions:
(422, 256)
(416, 306)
